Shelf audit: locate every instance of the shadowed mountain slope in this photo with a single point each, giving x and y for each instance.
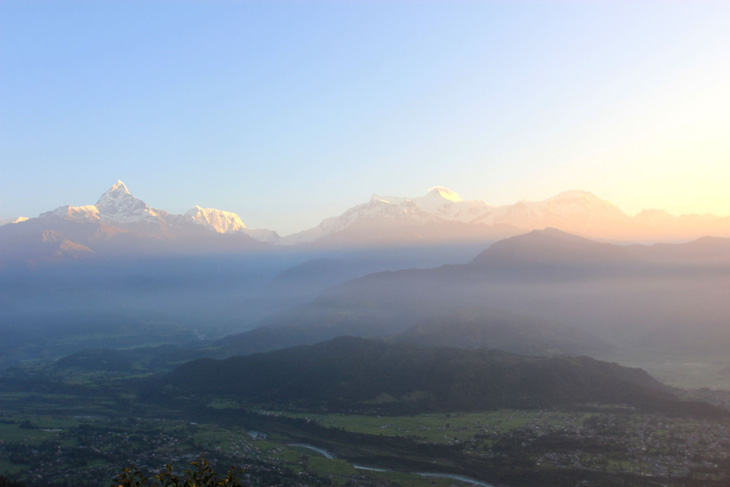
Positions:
(620, 293)
(553, 248)
(354, 374)
(482, 327)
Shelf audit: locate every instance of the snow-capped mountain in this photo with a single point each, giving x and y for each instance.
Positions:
(117, 205)
(119, 208)
(228, 222)
(443, 203)
(217, 220)
(121, 224)
(441, 215)
(13, 220)
(87, 213)
(576, 211)
(438, 206)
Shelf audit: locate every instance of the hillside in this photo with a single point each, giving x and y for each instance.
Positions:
(355, 374)
(484, 327)
(620, 293)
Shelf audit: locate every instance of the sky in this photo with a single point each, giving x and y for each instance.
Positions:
(290, 112)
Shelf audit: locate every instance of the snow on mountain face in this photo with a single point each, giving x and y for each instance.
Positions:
(379, 210)
(437, 206)
(576, 202)
(446, 204)
(87, 213)
(20, 219)
(217, 220)
(575, 211)
(571, 210)
(117, 205)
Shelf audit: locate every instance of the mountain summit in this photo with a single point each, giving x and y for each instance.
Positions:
(445, 193)
(121, 224)
(118, 205)
(575, 211)
(217, 220)
(441, 215)
(393, 218)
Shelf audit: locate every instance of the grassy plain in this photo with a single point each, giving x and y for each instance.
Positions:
(51, 435)
(67, 437)
(432, 428)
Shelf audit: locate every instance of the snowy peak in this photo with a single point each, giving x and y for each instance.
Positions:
(439, 205)
(118, 192)
(216, 220)
(439, 192)
(443, 203)
(379, 199)
(435, 196)
(20, 219)
(576, 211)
(87, 213)
(119, 186)
(116, 205)
(119, 206)
(577, 201)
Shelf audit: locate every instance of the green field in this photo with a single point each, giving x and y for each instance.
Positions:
(73, 438)
(434, 428)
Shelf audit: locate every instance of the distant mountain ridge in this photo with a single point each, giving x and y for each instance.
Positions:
(484, 327)
(464, 327)
(442, 215)
(121, 224)
(438, 217)
(619, 293)
(118, 206)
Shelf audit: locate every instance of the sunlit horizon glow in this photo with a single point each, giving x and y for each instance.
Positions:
(287, 113)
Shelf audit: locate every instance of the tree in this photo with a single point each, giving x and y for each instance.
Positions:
(201, 475)
(6, 482)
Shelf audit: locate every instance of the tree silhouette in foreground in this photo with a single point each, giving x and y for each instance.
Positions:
(6, 482)
(201, 475)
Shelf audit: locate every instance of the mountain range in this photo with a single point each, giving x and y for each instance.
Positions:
(120, 223)
(442, 216)
(667, 296)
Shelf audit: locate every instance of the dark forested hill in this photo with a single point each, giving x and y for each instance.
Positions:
(355, 374)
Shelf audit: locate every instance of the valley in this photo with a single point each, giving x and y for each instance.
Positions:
(82, 438)
(364, 243)
(542, 358)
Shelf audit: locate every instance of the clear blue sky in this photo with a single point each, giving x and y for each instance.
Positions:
(289, 112)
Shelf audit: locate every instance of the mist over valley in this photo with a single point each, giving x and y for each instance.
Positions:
(364, 244)
(190, 312)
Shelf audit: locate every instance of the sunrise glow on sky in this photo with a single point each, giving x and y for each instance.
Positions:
(289, 112)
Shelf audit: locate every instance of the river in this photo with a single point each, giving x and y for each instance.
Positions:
(460, 478)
